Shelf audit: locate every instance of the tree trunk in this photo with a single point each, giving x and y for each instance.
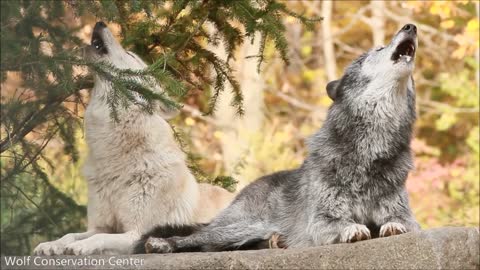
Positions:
(378, 22)
(477, 53)
(235, 141)
(328, 49)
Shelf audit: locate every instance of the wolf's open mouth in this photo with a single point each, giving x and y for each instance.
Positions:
(406, 50)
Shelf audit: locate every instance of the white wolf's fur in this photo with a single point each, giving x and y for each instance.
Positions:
(137, 175)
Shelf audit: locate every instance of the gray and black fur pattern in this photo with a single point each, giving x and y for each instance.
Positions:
(351, 185)
(168, 231)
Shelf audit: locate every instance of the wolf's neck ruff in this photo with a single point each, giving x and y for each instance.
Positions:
(381, 121)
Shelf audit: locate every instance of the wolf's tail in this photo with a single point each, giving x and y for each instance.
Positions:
(166, 231)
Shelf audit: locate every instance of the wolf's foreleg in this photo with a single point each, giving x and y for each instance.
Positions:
(104, 243)
(212, 238)
(57, 247)
(398, 224)
(332, 230)
(395, 217)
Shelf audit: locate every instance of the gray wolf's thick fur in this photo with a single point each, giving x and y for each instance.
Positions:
(351, 185)
(136, 172)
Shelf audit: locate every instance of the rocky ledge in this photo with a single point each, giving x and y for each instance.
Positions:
(442, 248)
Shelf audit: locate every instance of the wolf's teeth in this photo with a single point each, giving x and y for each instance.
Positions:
(408, 58)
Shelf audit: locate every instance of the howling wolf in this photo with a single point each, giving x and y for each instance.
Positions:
(351, 187)
(136, 173)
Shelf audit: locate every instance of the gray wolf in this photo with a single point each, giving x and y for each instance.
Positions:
(350, 187)
(136, 172)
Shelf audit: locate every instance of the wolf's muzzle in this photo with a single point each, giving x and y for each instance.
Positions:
(97, 38)
(407, 47)
(410, 29)
(99, 26)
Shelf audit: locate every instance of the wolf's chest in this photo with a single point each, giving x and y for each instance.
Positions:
(362, 210)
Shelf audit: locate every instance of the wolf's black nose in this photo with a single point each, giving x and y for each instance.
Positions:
(410, 28)
(100, 25)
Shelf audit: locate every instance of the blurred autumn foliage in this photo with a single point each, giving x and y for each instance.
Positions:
(285, 104)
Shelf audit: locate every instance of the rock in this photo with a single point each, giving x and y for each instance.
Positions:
(442, 248)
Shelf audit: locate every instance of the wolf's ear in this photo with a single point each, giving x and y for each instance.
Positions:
(332, 89)
(167, 112)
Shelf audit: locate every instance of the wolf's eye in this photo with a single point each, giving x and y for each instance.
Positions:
(98, 44)
(380, 48)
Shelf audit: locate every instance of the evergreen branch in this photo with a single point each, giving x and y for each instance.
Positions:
(38, 117)
(30, 162)
(197, 28)
(224, 73)
(32, 202)
(171, 21)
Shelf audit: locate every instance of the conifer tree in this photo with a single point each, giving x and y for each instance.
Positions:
(39, 47)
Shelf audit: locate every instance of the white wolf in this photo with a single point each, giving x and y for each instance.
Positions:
(137, 175)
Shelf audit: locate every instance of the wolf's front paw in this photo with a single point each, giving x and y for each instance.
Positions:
(83, 247)
(354, 233)
(49, 248)
(158, 245)
(276, 241)
(392, 228)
